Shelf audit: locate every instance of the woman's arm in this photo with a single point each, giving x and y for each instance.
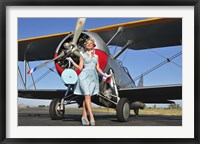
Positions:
(80, 66)
(100, 70)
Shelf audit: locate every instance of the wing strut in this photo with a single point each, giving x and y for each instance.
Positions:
(31, 75)
(129, 42)
(42, 76)
(157, 66)
(120, 29)
(21, 78)
(166, 58)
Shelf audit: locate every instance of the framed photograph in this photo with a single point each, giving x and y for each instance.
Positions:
(126, 41)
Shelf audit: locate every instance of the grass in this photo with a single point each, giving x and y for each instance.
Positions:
(148, 111)
(162, 111)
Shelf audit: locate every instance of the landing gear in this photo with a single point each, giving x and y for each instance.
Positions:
(55, 110)
(123, 110)
(111, 97)
(135, 106)
(108, 95)
(136, 111)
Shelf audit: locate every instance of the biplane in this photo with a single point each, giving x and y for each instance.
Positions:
(120, 91)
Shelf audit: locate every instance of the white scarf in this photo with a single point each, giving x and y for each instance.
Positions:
(90, 53)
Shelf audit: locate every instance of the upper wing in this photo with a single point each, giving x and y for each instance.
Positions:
(145, 34)
(150, 33)
(39, 48)
(153, 94)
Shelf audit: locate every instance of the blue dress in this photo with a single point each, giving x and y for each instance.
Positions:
(88, 80)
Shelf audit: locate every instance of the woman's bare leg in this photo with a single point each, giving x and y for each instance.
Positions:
(89, 107)
(84, 115)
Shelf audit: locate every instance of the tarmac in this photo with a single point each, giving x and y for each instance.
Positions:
(41, 117)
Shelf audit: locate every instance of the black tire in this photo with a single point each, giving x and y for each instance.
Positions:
(123, 110)
(56, 114)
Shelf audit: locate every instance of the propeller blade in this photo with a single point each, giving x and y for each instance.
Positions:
(80, 23)
(45, 63)
(78, 29)
(77, 53)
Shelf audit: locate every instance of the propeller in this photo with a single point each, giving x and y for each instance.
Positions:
(72, 48)
(77, 32)
(78, 29)
(45, 63)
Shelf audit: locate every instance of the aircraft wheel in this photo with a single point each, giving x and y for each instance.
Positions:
(54, 110)
(123, 110)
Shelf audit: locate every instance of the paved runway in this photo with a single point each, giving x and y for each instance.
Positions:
(40, 117)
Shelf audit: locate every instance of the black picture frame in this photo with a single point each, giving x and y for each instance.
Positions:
(5, 3)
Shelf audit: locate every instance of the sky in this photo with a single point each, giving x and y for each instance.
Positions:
(137, 61)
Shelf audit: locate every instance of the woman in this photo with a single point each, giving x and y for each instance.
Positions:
(88, 82)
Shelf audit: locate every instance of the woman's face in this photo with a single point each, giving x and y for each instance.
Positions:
(90, 45)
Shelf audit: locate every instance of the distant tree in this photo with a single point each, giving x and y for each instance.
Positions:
(154, 106)
(172, 106)
(41, 106)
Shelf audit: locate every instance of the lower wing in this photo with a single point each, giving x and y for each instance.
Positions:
(41, 94)
(152, 94)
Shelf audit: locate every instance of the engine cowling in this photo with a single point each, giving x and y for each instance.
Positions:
(62, 63)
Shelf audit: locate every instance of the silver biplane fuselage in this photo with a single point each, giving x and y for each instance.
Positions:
(108, 95)
(122, 77)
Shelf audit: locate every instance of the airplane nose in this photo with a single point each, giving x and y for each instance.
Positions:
(76, 52)
(72, 48)
(66, 45)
